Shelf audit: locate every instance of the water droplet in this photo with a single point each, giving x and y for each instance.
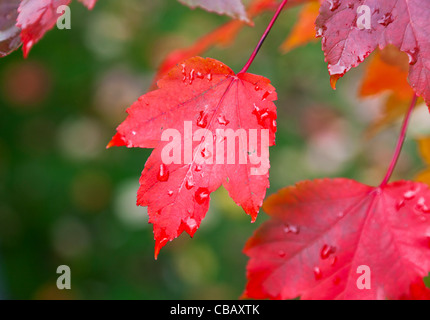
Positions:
(170, 193)
(199, 75)
(409, 195)
(421, 205)
(289, 228)
(265, 95)
(183, 69)
(413, 56)
(202, 195)
(333, 260)
(222, 120)
(334, 4)
(163, 173)
(281, 253)
(340, 214)
(202, 121)
(400, 204)
(350, 5)
(206, 154)
(257, 88)
(189, 182)
(320, 31)
(192, 225)
(274, 125)
(192, 76)
(326, 251)
(386, 19)
(317, 273)
(198, 168)
(209, 76)
(262, 115)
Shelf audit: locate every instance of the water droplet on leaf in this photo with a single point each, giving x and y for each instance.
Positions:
(334, 4)
(222, 120)
(202, 120)
(202, 195)
(326, 251)
(189, 182)
(163, 173)
(317, 273)
(386, 19)
(409, 195)
(413, 56)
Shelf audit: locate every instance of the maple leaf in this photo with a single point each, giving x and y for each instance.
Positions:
(350, 31)
(233, 8)
(9, 33)
(323, 233)
(387, 72)
(200, 95)
(36, 17)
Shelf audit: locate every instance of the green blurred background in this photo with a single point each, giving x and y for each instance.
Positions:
(66, 200)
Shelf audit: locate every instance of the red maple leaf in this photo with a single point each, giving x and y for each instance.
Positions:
(36, 17)
(195, 100)
(9, 39)
(323, 234)
(351, 30)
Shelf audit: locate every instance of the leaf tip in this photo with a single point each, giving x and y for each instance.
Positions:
(117, 141)
(26, 48)
(333, 80)
(159, 243)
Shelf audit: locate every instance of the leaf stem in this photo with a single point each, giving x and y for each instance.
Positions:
(400, 142)
(265, 34)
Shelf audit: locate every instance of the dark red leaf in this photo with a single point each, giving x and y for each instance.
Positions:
(322, 231)
(10, 39)
(36, 17)
(346, 41)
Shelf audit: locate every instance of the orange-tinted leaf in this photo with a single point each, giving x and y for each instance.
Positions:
(304, 30)
(424, 149)
(393, 109)
(387, 70)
